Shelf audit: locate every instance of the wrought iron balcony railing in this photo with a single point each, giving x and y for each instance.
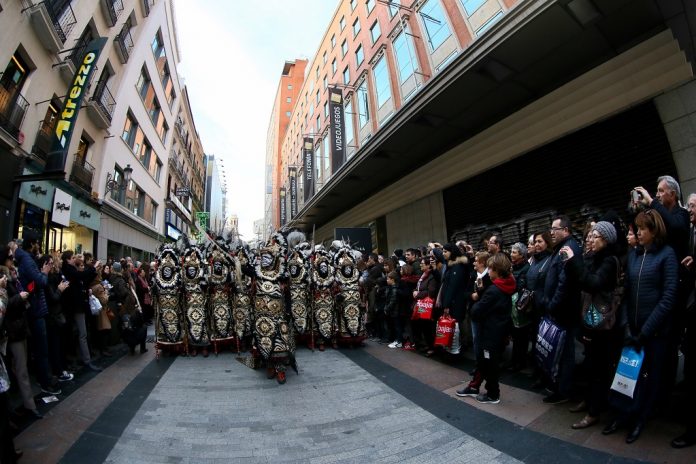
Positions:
(44, 140)
(103, 98)
(147, 6)
(124, 44)
(82, 173)
(13, 107)
(60, 14)
(112, 10)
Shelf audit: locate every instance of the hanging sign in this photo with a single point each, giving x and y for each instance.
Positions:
(293, 192)
(337, 130)
(308, 168)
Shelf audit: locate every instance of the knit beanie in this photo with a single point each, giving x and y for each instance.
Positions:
(116, 267)
(606, 230)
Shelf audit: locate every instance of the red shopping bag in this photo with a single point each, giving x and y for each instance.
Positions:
(423, 308)
(444, 333)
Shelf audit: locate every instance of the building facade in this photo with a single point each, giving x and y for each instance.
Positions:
(502, 105)
(289, 86)
(215, 196)
(113, 196)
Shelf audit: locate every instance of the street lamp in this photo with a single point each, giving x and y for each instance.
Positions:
(113, 184)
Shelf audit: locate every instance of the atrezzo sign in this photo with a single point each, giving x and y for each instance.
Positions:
(66, 124)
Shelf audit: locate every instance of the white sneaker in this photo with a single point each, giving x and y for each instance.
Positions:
(394, 344)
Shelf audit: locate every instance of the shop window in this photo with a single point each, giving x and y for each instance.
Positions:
(433, 18)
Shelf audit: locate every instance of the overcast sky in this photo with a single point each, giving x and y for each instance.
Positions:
(232, 56)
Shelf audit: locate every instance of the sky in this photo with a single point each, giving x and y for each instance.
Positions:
(232, 56)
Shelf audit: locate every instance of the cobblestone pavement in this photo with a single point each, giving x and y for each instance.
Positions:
(217, 410)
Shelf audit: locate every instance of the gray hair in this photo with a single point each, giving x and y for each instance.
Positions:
(672, 184)
(521, 249)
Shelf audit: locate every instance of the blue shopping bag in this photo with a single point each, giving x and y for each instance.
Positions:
(628, 371)
(548, 347)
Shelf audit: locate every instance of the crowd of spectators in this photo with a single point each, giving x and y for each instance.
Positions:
(59, 314)
(645, 258)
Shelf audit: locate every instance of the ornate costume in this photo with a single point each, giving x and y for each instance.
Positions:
(193, 275)
(299, 275)
(220, 295)
(349, 313)
(273, 332)
(167, 299)
(242, 309)
(323, 307)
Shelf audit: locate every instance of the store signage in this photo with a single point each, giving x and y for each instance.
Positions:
(283, 208)
(203, 218)
(62, 202)
(55, 161)
(338, 128)
(183, 192)
(308, 168)
(293, 192)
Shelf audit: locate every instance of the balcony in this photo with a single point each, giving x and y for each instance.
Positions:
(101, 106)
(177, 166)
(124, 45)
(43, 141)
(112, 9)
(13, 107)
(69, 65)
(52, 22)
(147, 6)
(82, 173)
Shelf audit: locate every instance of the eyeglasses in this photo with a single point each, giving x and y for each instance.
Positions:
(556, 229)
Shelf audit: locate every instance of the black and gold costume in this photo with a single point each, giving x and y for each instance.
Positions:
(167, 298)
(193, 276)
(220, 285)
(242, 307)
(349, 311)
(323, 302)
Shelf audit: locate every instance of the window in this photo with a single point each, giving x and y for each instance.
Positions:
(317, 162)
(318, 97)
(363, 105)
(327, 156)
(489, 23)
(333, 41)
(117, 194)
(342, 22)
(346, 75)
(333, 67)
(405, 55)
(318, 124)
(287, 114)
(470, 6)
(326, 82)
(158, 170)
(344, 48)
(350, 132)
(323, 58)
(375, 31)
(129, 130)
(317, 72)
(393, 7)
(144, 85)
(436, 27)
(326, 109)
(166, 79)
(288, 100)
(359, 57)
(382, 87)
(311, 111)
(370, 5)
(352, 5)
(289, 86)
(145, 154)
(356, 27)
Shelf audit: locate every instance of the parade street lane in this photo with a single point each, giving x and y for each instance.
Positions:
(218, 410)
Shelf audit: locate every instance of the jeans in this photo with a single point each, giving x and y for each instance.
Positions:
(39, 347)
(19, 365)
(82, 330)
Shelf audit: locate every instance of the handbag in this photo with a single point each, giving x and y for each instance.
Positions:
(549, 347)
(599, 309)
(444, 331)
(94, 305)
(525, 300)
(423, 308)
(628, 371)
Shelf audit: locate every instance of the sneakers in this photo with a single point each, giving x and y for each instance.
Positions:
(484, 398)
(65, 377)
(409, 347)
(468, 391)
(395, 344)
(49, 390)
(555, 398)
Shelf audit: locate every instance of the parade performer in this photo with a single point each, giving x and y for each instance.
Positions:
(193, 276)
(299, 275)
(349, 311)
(273, 334)
(167, 301)
(242, 309)
(323, 304)
(219, 294)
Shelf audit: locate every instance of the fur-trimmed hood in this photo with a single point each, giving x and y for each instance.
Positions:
(459, 260)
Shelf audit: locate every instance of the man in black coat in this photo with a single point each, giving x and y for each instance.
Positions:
(561, 302)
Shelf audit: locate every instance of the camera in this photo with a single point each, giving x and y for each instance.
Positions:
(636, 196)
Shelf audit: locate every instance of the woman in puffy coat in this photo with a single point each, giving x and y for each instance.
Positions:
(521, 323)
(650, 292)
(598, 274)
(536, 280)
(427, 286)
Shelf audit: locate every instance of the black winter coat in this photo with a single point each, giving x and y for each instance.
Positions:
(75, 297)
(492, 312)
(561, 298)
(453, 294)
(16, 326)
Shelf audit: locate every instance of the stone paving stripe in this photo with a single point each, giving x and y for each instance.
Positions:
(95, 444)
(521, 443)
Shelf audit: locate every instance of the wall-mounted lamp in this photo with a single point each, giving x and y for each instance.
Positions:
(112, 184)
(85, 214)
(38, 190)
(62, 206)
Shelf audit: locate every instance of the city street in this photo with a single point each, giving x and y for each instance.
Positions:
(366, 405)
